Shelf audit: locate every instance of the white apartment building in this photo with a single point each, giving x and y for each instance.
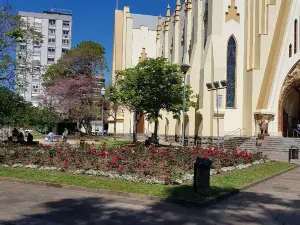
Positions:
(56, 28)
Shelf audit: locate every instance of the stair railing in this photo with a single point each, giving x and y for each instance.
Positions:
(298, 133)
(239, 130)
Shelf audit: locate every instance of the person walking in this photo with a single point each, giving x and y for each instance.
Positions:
(65, 136)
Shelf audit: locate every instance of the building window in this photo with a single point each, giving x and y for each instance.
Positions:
(50, 60)
(231, 73)
(51, 40)
(205, 22)
(295, 36)
(51, 31)
(66, 23)
(22, 47)
(35, 88)
(65, 32)
(65, 42)
(52, 22)
(64, 50)
(51, 49)
(290, 50)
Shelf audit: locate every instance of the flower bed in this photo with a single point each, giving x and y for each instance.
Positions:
(141, 164)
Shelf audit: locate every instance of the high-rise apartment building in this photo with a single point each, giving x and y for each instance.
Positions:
(56, 28)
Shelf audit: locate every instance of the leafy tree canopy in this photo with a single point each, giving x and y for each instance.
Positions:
(154, 85)
(13, 31)
(86, 59)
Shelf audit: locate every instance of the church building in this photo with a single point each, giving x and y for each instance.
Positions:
(252, 44)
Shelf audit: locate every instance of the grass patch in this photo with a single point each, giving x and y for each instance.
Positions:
(219, 184)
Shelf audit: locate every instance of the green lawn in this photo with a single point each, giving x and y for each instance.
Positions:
(220, 184)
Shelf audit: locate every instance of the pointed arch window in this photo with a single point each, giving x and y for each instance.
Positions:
(290, 50)
(205, 22)
(295, 36)
(231, 73)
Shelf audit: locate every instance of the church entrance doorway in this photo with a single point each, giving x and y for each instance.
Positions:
(289, 103)
(291, 112)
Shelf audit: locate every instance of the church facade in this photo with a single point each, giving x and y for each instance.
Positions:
(253, 44)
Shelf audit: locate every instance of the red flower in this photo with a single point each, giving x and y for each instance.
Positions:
(150, 156)
(149, 163)
(172, 156)
(113, 160)
(20, 156)
(66, 161)
(27, 148)
(121, 167)
(48, 147)
(206, 157)
(58, 150)
(154, 150)
(228, 159)
(166, 179)
(169, 171)
(41, 145)
(186, 150)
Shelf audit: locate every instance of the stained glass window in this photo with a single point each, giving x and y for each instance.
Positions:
(231, 71)
(295, 36)
(205, 22)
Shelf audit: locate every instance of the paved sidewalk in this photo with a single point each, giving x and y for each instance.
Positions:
(274, 202)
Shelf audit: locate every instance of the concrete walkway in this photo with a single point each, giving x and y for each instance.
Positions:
(274, 202)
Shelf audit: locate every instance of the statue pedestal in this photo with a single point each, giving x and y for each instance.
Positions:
(262, 119)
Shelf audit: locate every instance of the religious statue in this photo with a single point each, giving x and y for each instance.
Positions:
(264, 125)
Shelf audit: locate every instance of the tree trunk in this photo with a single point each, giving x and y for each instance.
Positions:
(115, 125)
(156, 127)
(134, 129)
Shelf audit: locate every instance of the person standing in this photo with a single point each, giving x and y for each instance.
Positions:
(65, 136)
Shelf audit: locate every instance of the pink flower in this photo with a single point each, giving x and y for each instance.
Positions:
(121, 167)
(58, 150)
(27, 148)
(172, 156)
(113, 160)
(149, 163)
(166, 179)
(20, 156)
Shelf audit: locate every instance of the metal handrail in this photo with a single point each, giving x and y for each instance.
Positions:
(298, 133)
(234, 132)
(231, 133)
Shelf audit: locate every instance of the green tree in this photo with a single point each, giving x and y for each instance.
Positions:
(13, 32)
(86, 59)
(152, 86)
(41, 118)
(13, 108)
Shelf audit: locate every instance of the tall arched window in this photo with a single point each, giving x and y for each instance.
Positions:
(295, 36)
(205, 18)
(290, 50)
(231, 73)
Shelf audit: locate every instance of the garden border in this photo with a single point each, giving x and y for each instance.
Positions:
(183, 202)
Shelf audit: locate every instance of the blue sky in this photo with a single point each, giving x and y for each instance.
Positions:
(94, 19)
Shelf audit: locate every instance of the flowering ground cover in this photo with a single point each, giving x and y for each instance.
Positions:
(220, 183)
(137, 163)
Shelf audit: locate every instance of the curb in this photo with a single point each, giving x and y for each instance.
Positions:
(182, 202)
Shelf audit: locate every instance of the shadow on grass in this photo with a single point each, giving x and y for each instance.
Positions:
(48, 205)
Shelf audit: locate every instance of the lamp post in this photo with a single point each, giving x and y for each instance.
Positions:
(184, 69)
(102, 91)
(216, 86)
